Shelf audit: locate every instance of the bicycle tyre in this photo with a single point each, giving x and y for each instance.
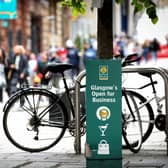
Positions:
(131, 124)
(146, 114)
(27, 127)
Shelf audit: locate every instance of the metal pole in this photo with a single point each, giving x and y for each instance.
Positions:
(162, 72)
(77, 143)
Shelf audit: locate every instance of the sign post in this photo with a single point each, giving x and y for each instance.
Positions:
(103, 102)
(8, 9)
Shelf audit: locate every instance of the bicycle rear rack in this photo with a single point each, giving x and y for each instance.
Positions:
(159, 70)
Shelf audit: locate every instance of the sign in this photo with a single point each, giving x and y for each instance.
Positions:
(8, 9)
(103, 119)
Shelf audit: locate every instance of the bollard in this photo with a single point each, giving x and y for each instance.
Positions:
(103, 119)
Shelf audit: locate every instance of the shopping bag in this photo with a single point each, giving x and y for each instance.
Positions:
(103, 148)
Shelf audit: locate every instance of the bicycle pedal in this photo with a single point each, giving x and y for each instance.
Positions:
(36, 138)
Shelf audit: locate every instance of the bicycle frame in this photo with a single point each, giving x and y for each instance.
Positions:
(69, 97)
(154, 97)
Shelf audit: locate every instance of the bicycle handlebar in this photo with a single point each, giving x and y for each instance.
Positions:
(127, 60)
(130, 59)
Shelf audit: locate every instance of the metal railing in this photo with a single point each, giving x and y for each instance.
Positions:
(161, 71)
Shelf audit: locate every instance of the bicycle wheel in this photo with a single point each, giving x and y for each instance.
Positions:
(34, 120)
(145, 111)
(131, 124)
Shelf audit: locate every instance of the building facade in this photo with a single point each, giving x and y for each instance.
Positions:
(34, 27)
(43, 23)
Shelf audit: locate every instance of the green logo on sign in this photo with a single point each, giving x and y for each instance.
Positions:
(103, 72)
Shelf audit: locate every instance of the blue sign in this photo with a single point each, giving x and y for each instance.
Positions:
(8, 9)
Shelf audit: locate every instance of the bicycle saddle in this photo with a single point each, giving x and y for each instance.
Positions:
(58, 67)
(147, 74)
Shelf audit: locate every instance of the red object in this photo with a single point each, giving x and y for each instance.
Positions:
(163, 52)
(62, 52)
(40, 75)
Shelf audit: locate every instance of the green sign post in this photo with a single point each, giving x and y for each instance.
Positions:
(8, 9)
(103, 102)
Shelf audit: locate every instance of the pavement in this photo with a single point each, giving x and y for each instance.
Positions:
(152, 155)
(144, 159)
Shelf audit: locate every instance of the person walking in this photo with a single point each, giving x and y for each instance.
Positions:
(154, 48)
(73, 57)
(32, 67)
(145, 50)
(42, 68)
(2, 73)
(89, 53)
(17, 69)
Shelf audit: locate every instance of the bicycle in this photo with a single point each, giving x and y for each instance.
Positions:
(44, 117)
(150, 120)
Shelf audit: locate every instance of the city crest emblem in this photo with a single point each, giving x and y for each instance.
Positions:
(103, 72)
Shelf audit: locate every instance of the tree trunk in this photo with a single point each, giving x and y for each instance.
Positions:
(105, 41)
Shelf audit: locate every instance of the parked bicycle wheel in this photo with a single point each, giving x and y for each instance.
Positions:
(144, 109)
(131, 123)
(34, 120)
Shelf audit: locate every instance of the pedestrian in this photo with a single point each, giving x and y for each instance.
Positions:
(32, 67)
(89, 53)
(53, 55)
(122, 44)
(42, 67)
(17, 69)
(62, 53)
(73, 57)
(145, 50)
(56, 77)
(154, 48)
(2, 73)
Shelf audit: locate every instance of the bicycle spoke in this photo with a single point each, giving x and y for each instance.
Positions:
(25, 108)
(46, 110)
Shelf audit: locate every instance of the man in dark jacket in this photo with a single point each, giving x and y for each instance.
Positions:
(154, 48)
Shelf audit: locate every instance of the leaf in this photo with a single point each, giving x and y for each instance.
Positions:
(77, 6)
(151, 12)
(147, 3)
(155, 20)
(142, 1)
(75, 12)
(134, 2)
(118, 1)
(138, 8)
